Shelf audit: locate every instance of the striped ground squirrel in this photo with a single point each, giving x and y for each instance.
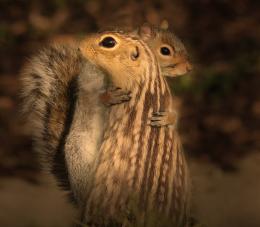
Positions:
(141, 175)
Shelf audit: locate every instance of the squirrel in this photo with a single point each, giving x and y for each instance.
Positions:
(61, 91)
(172, 57)
(167, 47)
(140, 177)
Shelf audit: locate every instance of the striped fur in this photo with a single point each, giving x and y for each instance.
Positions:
(141, 174)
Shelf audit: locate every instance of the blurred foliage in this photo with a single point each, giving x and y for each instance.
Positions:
(219, 101)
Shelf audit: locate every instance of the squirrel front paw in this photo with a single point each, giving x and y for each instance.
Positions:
(163, 118)
(114, 96)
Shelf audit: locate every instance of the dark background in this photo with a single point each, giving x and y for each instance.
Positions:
(219, 101)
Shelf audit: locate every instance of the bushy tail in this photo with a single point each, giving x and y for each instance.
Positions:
(48, 89)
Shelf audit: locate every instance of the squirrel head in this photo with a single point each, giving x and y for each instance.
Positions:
(120, 55)
(168, 49)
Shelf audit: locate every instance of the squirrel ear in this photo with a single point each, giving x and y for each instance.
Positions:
(145, 31)
(164, 25)
(135, 32)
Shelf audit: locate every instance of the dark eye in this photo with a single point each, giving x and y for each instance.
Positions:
(108, 42)
(165, 51)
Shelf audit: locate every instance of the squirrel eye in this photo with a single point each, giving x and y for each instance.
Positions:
(165, 51)
(108, 42)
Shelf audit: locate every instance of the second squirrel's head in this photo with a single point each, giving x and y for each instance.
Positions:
(169, 50)
(122, 56)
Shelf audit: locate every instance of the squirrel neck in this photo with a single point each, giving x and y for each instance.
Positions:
(91, 79)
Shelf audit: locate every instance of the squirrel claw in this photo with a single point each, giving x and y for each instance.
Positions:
(154, 124)
(157, 122)
(159, 113)
(112, 88)
(162, 118)
(114, 96)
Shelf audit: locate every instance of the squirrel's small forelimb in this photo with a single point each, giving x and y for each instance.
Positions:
(114, 95)
(163, 118)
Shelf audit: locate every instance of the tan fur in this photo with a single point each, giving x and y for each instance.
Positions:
(141, 170)
(112, 60)
(175, 64)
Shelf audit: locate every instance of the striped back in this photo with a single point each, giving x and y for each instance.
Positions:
(141, 173)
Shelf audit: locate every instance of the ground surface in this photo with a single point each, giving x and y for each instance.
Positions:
(219, 198)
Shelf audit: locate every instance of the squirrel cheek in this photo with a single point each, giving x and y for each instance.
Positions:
(165, 62)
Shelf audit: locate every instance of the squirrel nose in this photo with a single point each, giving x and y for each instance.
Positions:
(135, 54)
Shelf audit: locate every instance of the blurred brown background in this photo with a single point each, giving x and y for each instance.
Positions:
(219, 101)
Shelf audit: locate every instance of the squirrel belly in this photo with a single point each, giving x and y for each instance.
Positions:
(86, 132)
